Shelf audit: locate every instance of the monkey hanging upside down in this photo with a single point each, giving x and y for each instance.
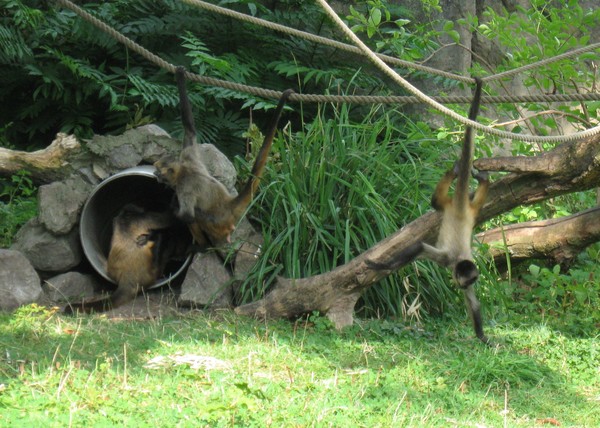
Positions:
(204, 203)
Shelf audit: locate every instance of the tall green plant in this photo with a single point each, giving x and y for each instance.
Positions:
(335, 189)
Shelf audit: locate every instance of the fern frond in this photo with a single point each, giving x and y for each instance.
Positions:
(14, 48)
(165, 96)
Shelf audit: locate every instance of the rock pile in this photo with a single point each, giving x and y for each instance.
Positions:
(46, 263)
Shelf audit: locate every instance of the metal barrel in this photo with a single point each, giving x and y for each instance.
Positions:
(139, 186)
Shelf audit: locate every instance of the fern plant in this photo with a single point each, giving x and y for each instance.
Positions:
(86, 82)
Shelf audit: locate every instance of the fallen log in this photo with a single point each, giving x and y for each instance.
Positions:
(44, 166)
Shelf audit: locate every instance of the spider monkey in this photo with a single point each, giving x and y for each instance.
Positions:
(205, 204)
(141, 245)
(453, 246)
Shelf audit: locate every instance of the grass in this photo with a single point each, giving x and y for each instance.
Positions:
(222, 370)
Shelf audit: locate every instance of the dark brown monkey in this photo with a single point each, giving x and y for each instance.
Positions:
(453, 246)
(141, 245)
(204, 203)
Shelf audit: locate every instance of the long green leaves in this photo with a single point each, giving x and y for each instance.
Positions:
(334, 190)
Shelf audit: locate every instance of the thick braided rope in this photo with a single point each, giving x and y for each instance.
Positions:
(416, 92)
(322, 40)
(355, 99)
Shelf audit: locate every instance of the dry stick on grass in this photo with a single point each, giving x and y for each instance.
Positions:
(568, 168)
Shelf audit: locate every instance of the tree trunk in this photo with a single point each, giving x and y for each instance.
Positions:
(560, 239)
(568, 168)
(45, 166)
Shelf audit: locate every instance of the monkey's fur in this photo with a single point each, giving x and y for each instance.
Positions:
(141, 245)
(204, 203)
(453, 246)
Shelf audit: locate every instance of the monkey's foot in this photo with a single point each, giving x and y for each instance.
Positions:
(480, 175)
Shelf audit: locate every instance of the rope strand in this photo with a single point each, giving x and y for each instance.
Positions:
(363, 99)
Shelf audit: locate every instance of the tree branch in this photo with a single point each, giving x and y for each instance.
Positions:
(560, 239)
(45, 166)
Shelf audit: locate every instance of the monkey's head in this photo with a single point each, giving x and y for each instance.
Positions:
(167, 170)
(219, 232)
(465, 273)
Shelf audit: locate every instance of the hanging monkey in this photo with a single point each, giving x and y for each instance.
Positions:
(453, 246)
(204, 203)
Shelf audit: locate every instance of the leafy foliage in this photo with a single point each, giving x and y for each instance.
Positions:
(351, 185)
(17, 205)
(539, 32)
(85, 82)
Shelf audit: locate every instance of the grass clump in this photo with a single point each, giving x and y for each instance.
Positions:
(18, 204)
(335, 189)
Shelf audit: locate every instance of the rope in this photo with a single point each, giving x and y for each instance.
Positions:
(357, 99)
(416, 92)
(322, 40)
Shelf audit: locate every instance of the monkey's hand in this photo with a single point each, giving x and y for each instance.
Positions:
(480, 176)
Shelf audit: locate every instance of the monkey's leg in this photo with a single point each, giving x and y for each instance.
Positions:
(123, 294)
(440, 198)
(481, 192)
(473, 307)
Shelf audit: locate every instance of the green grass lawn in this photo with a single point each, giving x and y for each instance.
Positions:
(222, 370)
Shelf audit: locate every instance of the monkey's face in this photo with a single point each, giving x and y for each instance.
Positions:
(219, 233)
(167, 170)
(465, 273)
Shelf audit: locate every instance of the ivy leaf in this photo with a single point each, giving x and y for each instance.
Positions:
(375, 18)
(454, 36)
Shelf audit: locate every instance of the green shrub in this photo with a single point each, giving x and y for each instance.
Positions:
(18, 204)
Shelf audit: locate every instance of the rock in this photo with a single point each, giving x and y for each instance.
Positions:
(145, 144)
(48, 252)
(60, 203)
(70, 287)
(219, 166)
(207, 283)
(19, 282)
(248, 246)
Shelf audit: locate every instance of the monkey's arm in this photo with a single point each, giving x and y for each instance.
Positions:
(186, 202)
(406, 256)
(481, 192)
(434, 254)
